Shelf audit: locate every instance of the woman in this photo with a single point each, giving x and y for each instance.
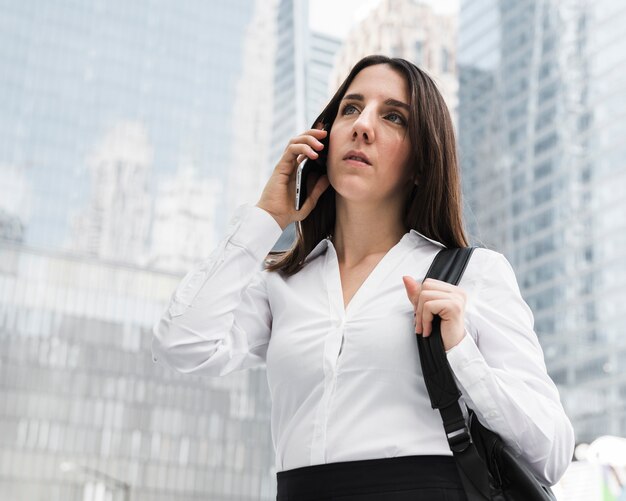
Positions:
(334, 318)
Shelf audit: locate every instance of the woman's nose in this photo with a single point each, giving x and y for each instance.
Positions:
(362, 127)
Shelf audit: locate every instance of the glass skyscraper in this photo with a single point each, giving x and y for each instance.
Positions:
(102, 103)
(73, 72)
(303, 61)
(78, 387)
(541, 122)
(322, 52)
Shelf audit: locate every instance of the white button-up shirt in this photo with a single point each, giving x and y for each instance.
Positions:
(346, 384)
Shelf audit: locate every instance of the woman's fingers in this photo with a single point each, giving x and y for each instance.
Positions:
(434, 284)
(299, 148)
(413, 292)
(312, 138)
(319, 133)
(413, 289)
(433, 297)
(278, 195)
(422, 319)
(320, 187)
(429, 310)
(293, 151)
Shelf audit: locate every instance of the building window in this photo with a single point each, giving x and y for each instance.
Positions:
(419, 47)
(445, 60)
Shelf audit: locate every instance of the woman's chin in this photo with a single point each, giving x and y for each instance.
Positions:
(354, 196)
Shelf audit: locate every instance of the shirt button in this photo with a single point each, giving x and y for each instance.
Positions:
(491, 415)
(194, 282)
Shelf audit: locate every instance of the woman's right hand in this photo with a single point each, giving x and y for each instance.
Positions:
(278, 197)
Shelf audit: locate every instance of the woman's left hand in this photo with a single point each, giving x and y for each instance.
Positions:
(434, 297)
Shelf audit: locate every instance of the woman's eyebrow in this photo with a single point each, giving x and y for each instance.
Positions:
(390, 101)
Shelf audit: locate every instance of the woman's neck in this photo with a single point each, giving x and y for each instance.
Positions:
(363, 232)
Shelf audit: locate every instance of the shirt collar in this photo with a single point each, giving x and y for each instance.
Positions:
(420, 235)
(320, 248)
(415, 236)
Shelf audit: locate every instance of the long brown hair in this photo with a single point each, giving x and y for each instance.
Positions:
(437, 211)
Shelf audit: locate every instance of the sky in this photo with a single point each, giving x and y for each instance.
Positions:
(336, 17)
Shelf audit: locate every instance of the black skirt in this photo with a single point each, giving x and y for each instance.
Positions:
(406, 478)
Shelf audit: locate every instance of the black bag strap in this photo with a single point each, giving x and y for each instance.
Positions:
(448, 266)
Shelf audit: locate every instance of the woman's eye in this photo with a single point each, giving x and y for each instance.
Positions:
(348, 109)
(396, 118)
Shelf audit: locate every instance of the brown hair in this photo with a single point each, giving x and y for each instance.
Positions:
(437, 211)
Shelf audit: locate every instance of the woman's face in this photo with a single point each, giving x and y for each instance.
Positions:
(369, 146)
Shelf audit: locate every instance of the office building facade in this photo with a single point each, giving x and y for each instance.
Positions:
(84, 410)
(106, 106)
(411, 30)
(542, 152)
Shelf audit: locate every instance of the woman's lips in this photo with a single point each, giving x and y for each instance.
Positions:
(357, 156)
(355, 162)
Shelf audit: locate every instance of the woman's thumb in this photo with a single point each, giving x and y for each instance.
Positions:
(413, 288)
(320, 187)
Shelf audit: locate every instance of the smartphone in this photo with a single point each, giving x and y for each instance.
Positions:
(309, 165)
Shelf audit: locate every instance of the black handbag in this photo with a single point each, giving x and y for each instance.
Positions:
(488, 467)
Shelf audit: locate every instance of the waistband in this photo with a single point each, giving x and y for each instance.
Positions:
(369, 475)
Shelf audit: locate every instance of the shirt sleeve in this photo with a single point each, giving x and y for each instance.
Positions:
(219, 318)
(502, 375)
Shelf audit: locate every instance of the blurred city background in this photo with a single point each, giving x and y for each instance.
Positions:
(129, 133)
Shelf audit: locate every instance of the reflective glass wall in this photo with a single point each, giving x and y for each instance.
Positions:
(116, 130)
(542, 101)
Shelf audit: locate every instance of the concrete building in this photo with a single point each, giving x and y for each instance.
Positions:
(409, 29)
(183, 224)
(81, 397)
(15, 204)
(115, 225)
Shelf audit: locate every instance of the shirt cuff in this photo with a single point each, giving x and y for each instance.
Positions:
(254, 229)
(467, 362)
